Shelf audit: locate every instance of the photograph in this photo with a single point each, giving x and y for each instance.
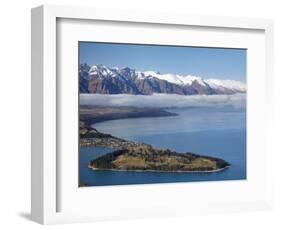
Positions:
(153, 113)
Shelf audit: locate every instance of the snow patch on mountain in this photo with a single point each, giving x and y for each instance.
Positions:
(231, 84)
(130, 81)
(175, 78)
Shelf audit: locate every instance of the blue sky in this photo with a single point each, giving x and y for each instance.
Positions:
(205, 62)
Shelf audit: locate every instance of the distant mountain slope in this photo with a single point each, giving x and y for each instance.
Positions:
(101, 79)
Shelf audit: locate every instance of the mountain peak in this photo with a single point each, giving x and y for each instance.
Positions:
(116, 80)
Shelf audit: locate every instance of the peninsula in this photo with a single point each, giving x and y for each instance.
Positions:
(132, 156)
(90, 114)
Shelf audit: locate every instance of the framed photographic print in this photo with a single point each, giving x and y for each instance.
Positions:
(140, 114)
(139, 127)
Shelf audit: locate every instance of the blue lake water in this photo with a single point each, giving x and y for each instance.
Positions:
(218, 132)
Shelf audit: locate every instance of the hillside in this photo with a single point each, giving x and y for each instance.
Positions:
(92, 114)
(145, 157)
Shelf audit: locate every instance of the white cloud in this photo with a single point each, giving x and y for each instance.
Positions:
(165, 100)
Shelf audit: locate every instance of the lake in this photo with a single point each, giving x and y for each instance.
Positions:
(217, 132)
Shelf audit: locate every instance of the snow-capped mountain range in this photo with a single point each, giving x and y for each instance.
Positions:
(101, 79)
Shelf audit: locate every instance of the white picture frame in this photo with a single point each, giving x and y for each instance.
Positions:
(45, 206)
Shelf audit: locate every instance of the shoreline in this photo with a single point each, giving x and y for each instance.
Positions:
(159, 171)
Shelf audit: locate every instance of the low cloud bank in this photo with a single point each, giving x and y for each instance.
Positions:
(165, 100)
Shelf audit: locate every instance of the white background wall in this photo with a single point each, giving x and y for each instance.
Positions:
(15, 112)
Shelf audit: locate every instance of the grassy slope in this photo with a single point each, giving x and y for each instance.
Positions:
(149, 158)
